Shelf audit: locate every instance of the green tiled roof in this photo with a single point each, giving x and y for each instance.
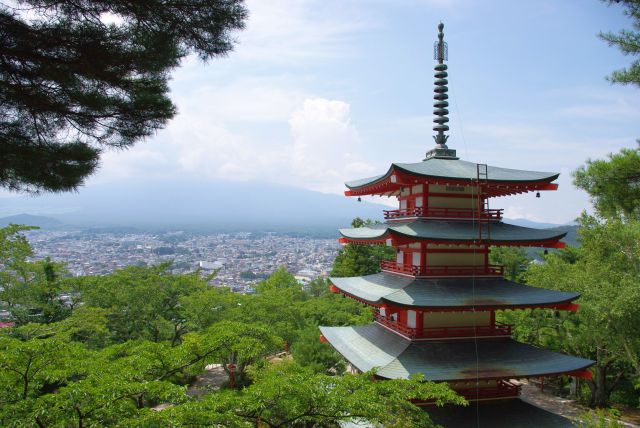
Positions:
(457, 169)
(514, 413)
(448, 292)
(452, 231)
(370, 346)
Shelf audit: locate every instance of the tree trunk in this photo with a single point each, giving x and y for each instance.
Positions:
(575, 387)
(599, 395)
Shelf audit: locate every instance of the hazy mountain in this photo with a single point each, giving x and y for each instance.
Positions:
(31, 220)
(197, 204)
(202, 205)
(528, 223)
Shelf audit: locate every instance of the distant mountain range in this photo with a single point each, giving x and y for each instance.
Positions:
(201, 205)
(32, 220)
(196, 205)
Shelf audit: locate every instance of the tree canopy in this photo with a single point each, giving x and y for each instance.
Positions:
(79, 76)
(628, 41)
(613, 184)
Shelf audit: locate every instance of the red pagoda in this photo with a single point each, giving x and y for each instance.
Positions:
(436, 303)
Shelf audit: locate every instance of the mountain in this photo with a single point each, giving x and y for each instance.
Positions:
(31, 220)
(529, 223)
(205, 205)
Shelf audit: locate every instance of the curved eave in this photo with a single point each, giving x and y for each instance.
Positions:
(450, 294)
(394, 357)
(406, 175)
(451, 232)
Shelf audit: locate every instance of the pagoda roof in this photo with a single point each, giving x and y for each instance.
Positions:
(449, 293)
(513, 413)
(456, 169)
(373, 346)
(457, 231)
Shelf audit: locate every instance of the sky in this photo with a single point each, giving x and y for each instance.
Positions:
(319, 92)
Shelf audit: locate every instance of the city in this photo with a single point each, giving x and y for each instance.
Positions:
(242, 258)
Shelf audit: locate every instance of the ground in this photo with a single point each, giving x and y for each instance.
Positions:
(570, 409)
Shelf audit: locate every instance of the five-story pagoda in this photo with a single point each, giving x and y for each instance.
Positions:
(435, 304)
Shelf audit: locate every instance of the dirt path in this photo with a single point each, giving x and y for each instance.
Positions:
(570, 409)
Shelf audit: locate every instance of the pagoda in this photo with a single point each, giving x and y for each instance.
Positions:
(435, 304)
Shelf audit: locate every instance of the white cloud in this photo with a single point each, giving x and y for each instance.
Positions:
(287, 31)
(134, 162)
(325, 146)
(319, 151)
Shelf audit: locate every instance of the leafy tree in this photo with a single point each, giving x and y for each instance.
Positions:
(514, 259)
(31, 290)
(628, 42)
(309, 352)
(78, 76)
(358, 260)
(143, 302)
(607, 274)
(207, 307)
(278, 280)
(286, 394)
(29, 366)
(613, 184)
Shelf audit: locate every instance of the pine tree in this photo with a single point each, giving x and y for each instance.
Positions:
(628, 42)
(77, 77)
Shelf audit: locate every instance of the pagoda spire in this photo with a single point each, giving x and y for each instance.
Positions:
(440, 104)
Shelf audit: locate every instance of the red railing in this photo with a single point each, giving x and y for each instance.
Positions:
(490, 270)
(452, 213)
(498, 329)
(391, 266)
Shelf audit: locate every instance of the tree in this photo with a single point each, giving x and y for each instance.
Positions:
(279, 279)
(358, 260)
(607, 274)
(287, 395)
(514, 259)
(143, 302)
(79, 76)
(628, 42)
(32, 291)
(613, 184)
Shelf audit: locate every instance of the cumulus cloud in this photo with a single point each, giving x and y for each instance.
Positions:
(325, 146)
(318, 151)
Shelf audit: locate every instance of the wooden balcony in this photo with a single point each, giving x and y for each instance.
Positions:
(391, 266)
(395, 267)
(445, 213)
(497, 330)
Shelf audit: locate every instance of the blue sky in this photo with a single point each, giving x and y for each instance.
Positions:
(319, 92)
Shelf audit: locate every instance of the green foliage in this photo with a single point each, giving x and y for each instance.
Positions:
(628, 42)
(514, 259)
(133, 339)
(280, 279)
(606, 273)
(613, 184)
(286, 394)
(204, 308)
(600, 418)
(31, 290)
(143, 302)
(72, 83)
(358, 260)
